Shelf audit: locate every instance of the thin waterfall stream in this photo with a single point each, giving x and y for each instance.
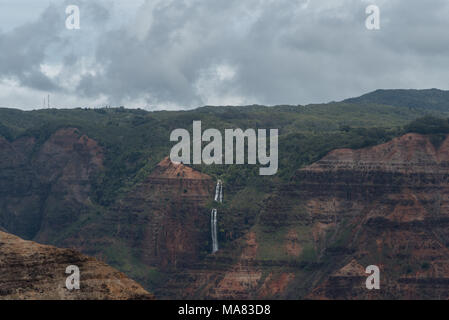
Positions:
(213, 216)
(213, 224)
(219, 192)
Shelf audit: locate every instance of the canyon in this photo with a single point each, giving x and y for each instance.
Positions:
(307, 237)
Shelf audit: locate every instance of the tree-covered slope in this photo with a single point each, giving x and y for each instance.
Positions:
(429, 99)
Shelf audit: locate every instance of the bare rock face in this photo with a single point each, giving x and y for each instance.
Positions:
(32, 271)
(65, 164)
(43, 188)
(388, 206)
(162, 224)
(167, 169)
(169, 207)
(246, 280)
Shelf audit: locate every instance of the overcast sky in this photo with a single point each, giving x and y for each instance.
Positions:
(182, 54)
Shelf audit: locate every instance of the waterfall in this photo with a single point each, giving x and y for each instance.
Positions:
(213, 225)
(213, 216)
(219, 192)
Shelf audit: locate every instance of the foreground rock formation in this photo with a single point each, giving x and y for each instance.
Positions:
(32, 271)
(173, 200)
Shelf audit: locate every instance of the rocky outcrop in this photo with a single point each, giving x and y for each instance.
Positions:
(31, 271)
(388, 206)
(169, 210)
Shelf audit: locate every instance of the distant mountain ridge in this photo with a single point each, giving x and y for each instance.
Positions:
(432, 99)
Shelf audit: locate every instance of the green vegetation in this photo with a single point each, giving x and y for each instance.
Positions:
(428, 125)
(436, 128)
(134, 141)
(430, 99)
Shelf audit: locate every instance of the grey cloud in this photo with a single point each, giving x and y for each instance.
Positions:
(278, 51)
(45, 40)
(23, 51)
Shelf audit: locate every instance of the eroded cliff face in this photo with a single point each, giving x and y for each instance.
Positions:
(44, 188)
(156, 230)
(392, 200)
(32, 271)
(386, 205)
(65, 164)
(169, 208)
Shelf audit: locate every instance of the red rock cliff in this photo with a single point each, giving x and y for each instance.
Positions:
(44, 188)
(165, 215)
(388, 206)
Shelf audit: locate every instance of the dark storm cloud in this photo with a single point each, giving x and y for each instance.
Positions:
(194, 52)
